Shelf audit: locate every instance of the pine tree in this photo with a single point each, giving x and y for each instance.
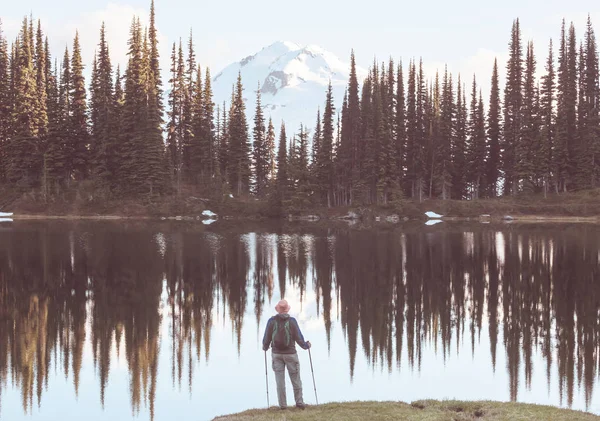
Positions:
(513, 100)
(56, 156)
(78, 139)
(588, 153)
(224, 145)
(548, 116)
(41, 106)
(5, 104)
(565, 110)
(53, 169)
(353, 111)
(211, 147)
(155, 170)
(23, 159)
(101, 116)
(325, 170)
(400, 126)
(134, 113)
(419, 153)
(118, 125)
(411, 132)
(526, 141)
(282, 166)
(299, 172)
(459, 146)
(494, 135)
(238, 168)
(199, 173)
(270, 151)
(187, 106)
(259, 150)
(443, 148)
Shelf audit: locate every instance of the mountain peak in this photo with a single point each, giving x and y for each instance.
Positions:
(293, 80)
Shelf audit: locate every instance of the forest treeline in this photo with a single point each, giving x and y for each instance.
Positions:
(399, 134)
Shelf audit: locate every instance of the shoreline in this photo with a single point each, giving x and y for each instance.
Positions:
(309, 218)
(422, 410)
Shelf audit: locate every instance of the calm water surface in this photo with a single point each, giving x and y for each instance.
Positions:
(157, 322)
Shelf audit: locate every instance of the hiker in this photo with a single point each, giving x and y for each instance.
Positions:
(282, 331)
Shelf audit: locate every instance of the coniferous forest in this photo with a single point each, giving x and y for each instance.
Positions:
(401, 134)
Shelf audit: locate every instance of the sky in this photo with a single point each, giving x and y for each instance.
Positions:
(464, 35)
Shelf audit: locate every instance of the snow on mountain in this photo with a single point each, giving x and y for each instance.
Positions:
(293, 82)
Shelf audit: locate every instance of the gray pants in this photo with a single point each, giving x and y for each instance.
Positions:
(280, 362)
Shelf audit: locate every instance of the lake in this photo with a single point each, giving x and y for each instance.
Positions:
(158, 321)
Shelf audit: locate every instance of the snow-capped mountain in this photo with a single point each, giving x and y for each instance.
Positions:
(293, 82)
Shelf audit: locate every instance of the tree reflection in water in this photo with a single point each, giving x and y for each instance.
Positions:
(537, 288)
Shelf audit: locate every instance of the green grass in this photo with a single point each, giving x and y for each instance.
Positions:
(428, 410)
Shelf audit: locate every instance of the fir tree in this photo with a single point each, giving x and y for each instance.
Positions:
(259, 150)
(548, 117)
(494, 135)
(210, 149)
(41, 106)
(459, 146)
(238, 165)
(23, 163)
(443, 149)
(101, 115)
(513, 99)
(282, 165)
(400, 126)
(565, 110)
(588, 155)
(270, 151)
(325, 169)
(5, 103)
(78, 138)
(525, 148)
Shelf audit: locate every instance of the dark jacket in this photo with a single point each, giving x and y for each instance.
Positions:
(295, 331)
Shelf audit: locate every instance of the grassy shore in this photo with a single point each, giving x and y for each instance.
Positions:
(568, 207)
(429, 410)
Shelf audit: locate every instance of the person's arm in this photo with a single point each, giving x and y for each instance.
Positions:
(268, 335)
(298, 335)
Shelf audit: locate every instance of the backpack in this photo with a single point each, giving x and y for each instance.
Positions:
(282, 336)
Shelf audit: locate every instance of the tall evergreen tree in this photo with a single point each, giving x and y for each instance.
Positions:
(259, 150)
(325, 171)
(494, 135)
(525, 147)
(238, 168)
(400, 126)
(101, 115)
(588, 153)
(270, 151)
(5, 103)
(78, 138)
(23, 159)
(513, 100)
(443, 148)
(459, 146)
(548, 117)
(41, 106)
(282, 165)
(566, 110)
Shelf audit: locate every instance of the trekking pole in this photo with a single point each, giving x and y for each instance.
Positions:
(313, 375)
(267, 380)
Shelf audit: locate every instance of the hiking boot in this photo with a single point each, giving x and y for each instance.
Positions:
(301, 405)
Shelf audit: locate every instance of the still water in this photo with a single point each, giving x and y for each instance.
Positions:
(143, 321)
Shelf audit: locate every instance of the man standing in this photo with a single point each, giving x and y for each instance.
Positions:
(282, 331)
